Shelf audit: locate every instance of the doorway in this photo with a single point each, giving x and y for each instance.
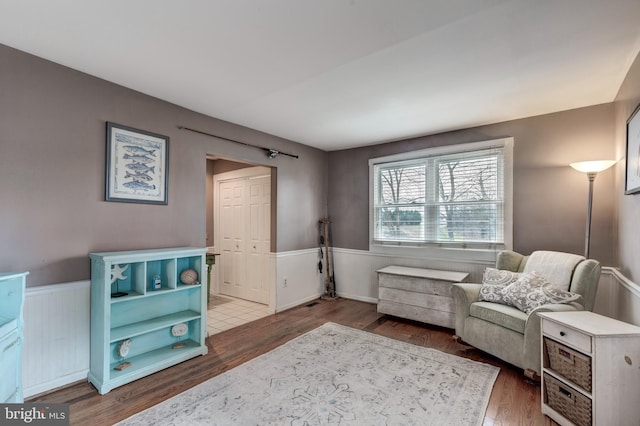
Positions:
(242, 223)
(241, 227)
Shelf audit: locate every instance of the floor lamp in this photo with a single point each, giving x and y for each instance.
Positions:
(591, 168)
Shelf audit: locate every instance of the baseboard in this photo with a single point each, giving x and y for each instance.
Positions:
(60, 382)
(298, 303)
(373, 300)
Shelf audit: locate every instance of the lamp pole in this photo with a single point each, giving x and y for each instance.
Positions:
(587, 234)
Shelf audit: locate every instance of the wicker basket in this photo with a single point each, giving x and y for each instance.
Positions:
(566, 401)
(571, 364)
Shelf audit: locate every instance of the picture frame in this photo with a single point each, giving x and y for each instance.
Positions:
(632, 168)
(137, 166)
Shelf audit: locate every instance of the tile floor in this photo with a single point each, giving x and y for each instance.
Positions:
(226, 312)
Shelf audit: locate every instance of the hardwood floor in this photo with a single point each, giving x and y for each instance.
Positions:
(514, 400)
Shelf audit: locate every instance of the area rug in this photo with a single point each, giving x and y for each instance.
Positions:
(336, 375)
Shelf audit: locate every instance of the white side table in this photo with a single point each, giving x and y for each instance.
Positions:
(590, 369)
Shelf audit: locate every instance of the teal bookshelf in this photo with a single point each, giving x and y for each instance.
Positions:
(143, 318)
(12, 288)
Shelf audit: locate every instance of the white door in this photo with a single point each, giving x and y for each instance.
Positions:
(244, 231)
(232, 226)
(259, 241)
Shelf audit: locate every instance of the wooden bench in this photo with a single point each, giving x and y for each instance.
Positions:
(418, 294)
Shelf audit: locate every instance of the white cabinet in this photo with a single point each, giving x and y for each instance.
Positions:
(590, 369)
(418, 294)
(12, 288)
(145, 314)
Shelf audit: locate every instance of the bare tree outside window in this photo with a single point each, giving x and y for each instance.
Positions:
(401, 189)
(468, 191)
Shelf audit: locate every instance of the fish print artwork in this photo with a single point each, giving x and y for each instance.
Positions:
(138, 165)
(138, 153)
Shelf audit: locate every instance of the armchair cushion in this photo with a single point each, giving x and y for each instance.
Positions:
(555, 266)
(531, 290)
(502, 315)
(493, 282)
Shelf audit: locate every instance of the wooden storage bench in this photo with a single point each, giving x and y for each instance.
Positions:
(418, 294)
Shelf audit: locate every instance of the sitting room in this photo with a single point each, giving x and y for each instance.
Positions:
(296, 212)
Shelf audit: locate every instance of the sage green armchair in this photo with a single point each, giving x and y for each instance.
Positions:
(508, 333)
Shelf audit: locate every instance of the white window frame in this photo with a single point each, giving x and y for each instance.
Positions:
(441, 252)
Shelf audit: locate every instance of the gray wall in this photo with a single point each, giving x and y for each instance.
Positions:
(550, 198)
(628, 205)
(52, 168)
(52, 154)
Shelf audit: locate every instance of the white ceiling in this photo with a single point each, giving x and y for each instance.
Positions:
(343, 73)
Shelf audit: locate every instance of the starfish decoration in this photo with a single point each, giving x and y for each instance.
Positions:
(116, 273)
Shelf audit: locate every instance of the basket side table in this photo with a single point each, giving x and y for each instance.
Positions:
(590, 369)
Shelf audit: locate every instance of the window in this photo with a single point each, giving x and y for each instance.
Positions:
(453, 197)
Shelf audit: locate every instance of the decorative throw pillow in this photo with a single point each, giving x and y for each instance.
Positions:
(531, 290)
(493, 281)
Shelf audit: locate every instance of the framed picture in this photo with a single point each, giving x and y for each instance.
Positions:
(632, 176)
(137, 165)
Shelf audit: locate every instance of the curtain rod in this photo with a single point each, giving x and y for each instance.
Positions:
(271, 153)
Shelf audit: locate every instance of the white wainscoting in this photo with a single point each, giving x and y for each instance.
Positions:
(356, 278)
(618, 297)
(298, 267)
(56, 336)
(56, 349)
(304, 282)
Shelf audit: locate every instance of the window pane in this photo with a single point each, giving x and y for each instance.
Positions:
(400, 223)
(469, 223)
(402, 185)
(472, 179)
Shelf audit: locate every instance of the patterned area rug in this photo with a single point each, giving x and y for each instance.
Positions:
(336, 375)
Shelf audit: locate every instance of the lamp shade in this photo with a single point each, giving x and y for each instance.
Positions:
(593, 166)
